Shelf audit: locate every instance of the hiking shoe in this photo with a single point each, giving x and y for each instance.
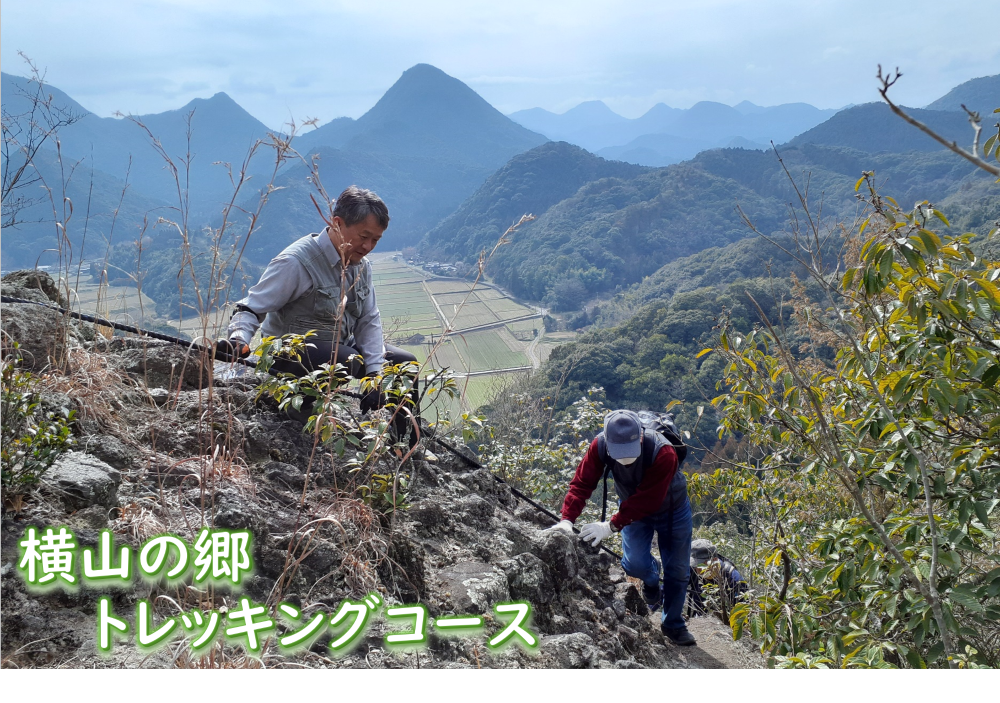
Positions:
(652, 595)
(681, 636)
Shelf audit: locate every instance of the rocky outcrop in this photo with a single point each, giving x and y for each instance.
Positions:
(43, 335)
(82, 480)
(461, 545)
(161, 365)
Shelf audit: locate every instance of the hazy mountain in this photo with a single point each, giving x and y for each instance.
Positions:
(221, 131)
(104, 211)
(531, 182)
(873, 128)
(427, 113)
(616, 229)
(667, 135)
(980, 94)
(419, 192)
(425, 146)
(657, 149)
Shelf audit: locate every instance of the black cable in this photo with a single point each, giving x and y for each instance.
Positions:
(211, 351)
(519, 494)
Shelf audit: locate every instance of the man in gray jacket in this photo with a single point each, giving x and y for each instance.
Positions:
(323, 282)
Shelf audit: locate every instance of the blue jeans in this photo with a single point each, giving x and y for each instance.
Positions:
(673, 533)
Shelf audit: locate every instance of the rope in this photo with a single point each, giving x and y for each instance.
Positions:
(216, 354)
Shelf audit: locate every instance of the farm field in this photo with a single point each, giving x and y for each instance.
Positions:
(414, 302)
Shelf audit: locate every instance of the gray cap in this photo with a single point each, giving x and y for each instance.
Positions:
(623, 434)
(701, 551)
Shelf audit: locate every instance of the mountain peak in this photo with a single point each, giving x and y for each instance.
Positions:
(593, 110)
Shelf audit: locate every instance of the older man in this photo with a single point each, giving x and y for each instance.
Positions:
(304, 286)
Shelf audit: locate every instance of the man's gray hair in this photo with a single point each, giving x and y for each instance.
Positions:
(355, 204)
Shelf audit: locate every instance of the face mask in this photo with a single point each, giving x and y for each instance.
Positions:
(626, 462)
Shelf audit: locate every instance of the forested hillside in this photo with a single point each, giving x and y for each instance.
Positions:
(614, 232)
(531, 182)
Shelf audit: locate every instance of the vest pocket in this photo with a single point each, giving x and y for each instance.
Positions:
(325, 305)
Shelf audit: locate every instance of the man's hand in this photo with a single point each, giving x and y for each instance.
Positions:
(595, 532)
(562, 526)
(373, 399)
(234, 348)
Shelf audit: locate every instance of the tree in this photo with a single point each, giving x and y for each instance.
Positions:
(875, 492)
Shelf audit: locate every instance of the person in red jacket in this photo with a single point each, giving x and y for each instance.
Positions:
(653, 499)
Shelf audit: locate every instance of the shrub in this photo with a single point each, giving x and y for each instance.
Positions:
(32, 439)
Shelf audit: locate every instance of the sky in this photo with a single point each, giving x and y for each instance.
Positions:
(325, 58)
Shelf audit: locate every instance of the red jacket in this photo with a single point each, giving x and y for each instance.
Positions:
(646, 500)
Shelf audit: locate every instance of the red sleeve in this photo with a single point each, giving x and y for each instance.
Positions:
(649, 496)
(588, 475)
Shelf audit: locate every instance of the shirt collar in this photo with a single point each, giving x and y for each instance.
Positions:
(332, 255)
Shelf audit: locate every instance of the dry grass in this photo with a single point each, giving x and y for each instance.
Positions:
(96, 387)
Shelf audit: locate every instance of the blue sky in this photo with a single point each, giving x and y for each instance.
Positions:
(325, 58)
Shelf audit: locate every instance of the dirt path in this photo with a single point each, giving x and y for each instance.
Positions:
(715, 648)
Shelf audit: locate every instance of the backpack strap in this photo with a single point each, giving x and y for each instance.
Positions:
(602, 451)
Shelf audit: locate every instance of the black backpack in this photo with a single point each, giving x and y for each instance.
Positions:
(662, 423)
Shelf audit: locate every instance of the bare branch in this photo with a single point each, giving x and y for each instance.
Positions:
(887, 82)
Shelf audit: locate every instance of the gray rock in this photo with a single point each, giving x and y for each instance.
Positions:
(41, 334)
(630, 597)
(474, 586)
(160, 396)
(162, 365)
(558, 550)
(477, 510)
(173, 474)
(284, 475)
(109, 449)
(93, 518)
(573, 651)
(32, 285)
(83, 480)
(528, 578)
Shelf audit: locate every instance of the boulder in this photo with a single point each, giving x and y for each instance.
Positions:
(286, 476)
(109, 449)
(83, 480)
(474, 586)
(558, 550)
(161, 364)
(573, 651)
(528, 579)
(32, 285)
(42, 334)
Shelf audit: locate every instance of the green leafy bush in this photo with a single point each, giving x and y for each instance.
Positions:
(871, 498)
(32, 439)
(368, 448)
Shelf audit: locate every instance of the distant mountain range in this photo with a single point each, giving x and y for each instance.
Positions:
(620, 227)
(452, 167)
(667, 135)
(221, 132)
(425, 147)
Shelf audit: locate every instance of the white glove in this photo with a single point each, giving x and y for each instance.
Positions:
(595, 532)
(563, 526)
